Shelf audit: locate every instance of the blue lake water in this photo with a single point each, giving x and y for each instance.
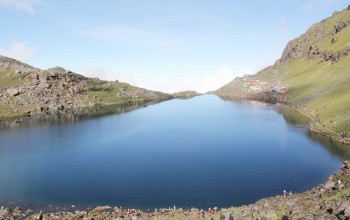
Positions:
(201, 152)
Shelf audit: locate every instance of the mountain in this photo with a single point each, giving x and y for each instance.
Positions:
(26, 90)
(313, 75)
(185, 94)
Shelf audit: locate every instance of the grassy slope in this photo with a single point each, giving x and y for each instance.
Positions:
(317, 87)
(105, 92)
(9, 78)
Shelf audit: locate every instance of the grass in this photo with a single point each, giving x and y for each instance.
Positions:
(281, 212)
(339, 195)
(8, 77)
(106, 92)
(323, 88)
(7, 112)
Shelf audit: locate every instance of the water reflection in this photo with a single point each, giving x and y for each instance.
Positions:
(86, 114)
(296, 120)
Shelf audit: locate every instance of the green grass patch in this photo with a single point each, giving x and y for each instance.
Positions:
(280, 213)
(7, 112)
(339, 195)
(8, 77)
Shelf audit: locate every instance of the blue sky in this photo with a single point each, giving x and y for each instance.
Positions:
(166, 45)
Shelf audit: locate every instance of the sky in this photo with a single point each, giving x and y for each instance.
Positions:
(164, 45)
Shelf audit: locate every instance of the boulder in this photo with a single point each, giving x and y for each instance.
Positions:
(60, 108)
(99, 209)
(329, 185)
(344, 209)
(13, 92)
(4, 213)
(16, 211)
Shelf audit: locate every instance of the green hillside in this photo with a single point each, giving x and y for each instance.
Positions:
(315, 69)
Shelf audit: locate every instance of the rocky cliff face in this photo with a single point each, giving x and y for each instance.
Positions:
(25, 90)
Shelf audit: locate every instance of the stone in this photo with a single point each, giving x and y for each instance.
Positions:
(344, 209)
(99, 209)
(329, 185)
(13, 92)
(4, 213)
(60, 108)
(16, 211)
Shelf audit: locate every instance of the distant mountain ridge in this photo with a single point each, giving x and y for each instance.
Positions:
(185, 94)
(315, 70)
(26, 90)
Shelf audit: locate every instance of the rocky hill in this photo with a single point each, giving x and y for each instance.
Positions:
(25, 90)
(313, 75)
(185, 94)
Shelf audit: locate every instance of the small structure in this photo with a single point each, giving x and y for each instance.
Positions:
(280, 89)
(283, 91)
(256, 89)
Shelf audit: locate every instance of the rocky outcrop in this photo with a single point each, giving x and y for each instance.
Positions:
(25, 90)
(46, 93)
(340, 26)
(139, 93)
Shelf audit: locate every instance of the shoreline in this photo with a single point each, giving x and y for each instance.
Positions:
(264, 97)
(274, 99)
(330, 200)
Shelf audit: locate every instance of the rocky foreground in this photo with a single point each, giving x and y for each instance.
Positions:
(330, 200)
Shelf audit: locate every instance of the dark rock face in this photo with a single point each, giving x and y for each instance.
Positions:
(291, 52)
(340, 26)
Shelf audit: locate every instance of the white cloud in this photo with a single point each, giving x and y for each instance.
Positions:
(19, 50)
(106, 74)
(132, 35)
(23, 5)
(318, 4)
(202, 84)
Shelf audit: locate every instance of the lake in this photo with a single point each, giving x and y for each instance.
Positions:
(202, 152)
